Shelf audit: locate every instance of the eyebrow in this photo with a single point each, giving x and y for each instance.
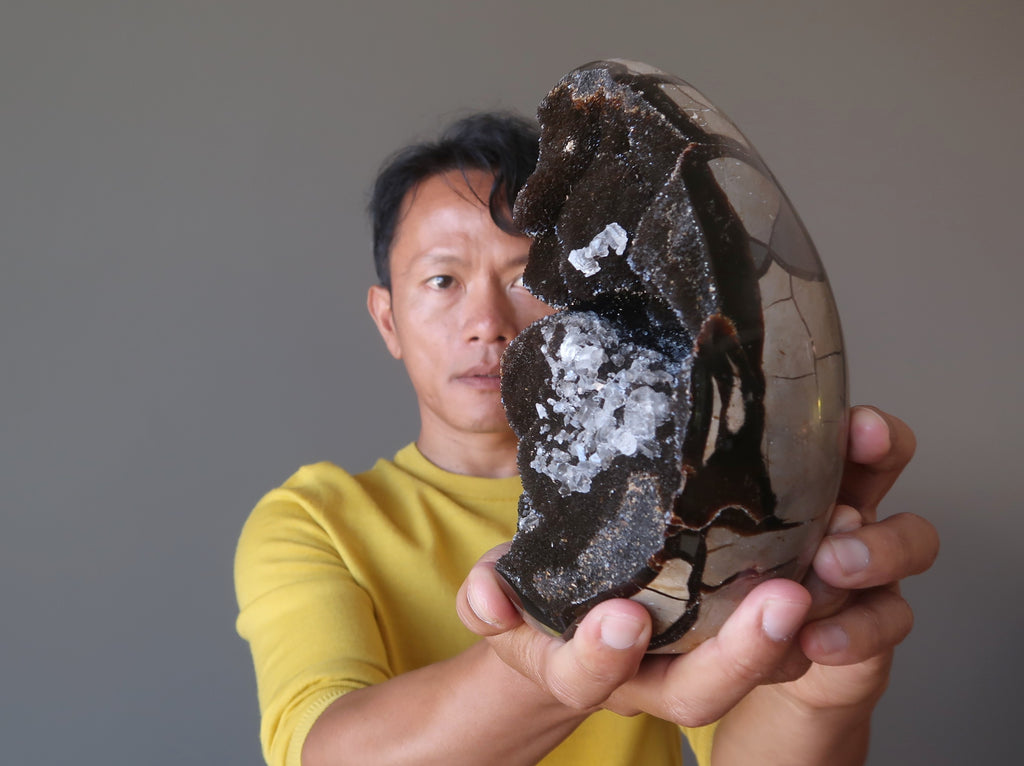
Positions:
(444, 258)
(441, 257)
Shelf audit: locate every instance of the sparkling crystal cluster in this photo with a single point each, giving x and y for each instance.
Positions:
(611, 397)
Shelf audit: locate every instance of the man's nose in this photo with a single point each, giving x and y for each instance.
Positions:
(490, 314)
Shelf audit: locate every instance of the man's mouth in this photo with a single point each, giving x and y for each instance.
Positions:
(483, 377)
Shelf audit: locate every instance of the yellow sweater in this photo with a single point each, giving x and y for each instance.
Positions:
(345, 581)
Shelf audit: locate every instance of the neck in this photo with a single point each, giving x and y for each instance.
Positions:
(487, 455)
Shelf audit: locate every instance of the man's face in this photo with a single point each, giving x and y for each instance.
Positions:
(456, 301)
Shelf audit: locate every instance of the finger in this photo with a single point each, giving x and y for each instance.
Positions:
(876, 554)
(870, 626)
(482, 603)
(845, 518)
(826, 599)
(751, 648)
(792, 666)
(604, 652)
(880, 446)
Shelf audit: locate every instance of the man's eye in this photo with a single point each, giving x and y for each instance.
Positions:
(518, 282)
(441, 281)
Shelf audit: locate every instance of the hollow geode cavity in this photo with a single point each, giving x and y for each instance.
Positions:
(682, 418)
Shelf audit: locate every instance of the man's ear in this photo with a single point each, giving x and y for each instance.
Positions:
(378, 303)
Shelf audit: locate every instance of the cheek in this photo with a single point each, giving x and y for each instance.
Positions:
(424, 319)
(425, 364)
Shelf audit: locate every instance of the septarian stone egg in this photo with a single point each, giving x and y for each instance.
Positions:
(682, 418)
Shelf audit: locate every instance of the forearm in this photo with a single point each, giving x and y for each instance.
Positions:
(470, 709)
(768, 728)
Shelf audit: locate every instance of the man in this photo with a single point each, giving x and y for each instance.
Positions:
(347, 584)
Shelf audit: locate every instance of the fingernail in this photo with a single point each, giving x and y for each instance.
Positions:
(782, 619)
(479, 611)
(851, 554)
(869, 419)
(844, 519)
(832, 639)
(620, 632)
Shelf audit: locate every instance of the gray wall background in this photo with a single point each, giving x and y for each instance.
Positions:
(183, 265)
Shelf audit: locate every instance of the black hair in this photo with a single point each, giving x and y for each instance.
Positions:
(501, 143)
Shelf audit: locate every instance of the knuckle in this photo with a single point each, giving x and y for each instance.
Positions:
(570, 694)
(744, 669)
(598, 674)
(522, 656)
(882, 624)
(916, 542)
(689, 712)
(579, 679)
(869, 617)
(906, 622)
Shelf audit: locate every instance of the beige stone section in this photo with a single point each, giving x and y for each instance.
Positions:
(818, 310)
(774, 285)
(788, 351)
(667, 596)
(716, 407)
(713, 612)
(735, 413)
(729, 553)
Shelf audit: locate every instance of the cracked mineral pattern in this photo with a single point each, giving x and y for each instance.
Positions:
(682, 417)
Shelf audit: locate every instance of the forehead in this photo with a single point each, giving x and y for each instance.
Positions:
(449, 212)
(462, 190)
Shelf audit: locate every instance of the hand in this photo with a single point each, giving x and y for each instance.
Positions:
(858, 615)
(604, 664)
(857, 618)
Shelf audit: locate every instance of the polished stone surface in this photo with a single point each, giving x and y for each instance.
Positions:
(682, 418)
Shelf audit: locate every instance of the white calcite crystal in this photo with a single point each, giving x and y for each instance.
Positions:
(607, 409)
(611, 237)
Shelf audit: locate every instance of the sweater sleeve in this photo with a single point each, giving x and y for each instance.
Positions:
(310, 626)
(322, 576)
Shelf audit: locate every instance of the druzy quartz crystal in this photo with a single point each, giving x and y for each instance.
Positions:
(682, 416)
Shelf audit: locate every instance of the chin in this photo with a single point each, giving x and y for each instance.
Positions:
(490, 423)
